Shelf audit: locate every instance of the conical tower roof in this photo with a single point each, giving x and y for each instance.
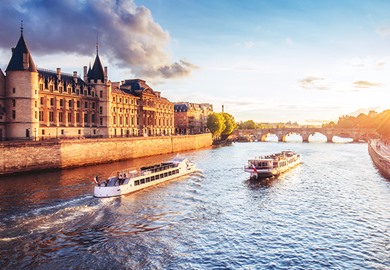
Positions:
(16, 62)
(97, 72)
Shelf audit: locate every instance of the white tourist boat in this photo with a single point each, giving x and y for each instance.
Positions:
(272, 165)
(127, 181)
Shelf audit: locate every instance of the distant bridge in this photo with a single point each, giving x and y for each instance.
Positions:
(356, 134)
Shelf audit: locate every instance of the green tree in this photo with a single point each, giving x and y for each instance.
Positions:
(383, 124)
(249, 124)
(216, 124)
(230, 125)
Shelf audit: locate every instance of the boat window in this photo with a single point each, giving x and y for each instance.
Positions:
(136, 183)
(162, 175)
(157, 176)
(147, 179)
(142, 181)
(153, 178)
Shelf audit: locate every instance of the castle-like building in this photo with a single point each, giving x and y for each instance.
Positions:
(38, 103)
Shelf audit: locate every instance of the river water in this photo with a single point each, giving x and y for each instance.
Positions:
(330, 212)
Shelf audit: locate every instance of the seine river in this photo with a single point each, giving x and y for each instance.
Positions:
(330, 212)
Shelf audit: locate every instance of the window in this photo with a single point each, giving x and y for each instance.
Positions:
(61, 102)
(101, 121)
(93, 118)
(42, 100)
(86, 105)
(79, 131)
(60, 114)
(41, 87)
(86, 118)
(43, 132)
(78, 104)
(136, 183)
(14, 114)
(93, 105)
(52, 102)
(13, 90)
(70, 103)
(77, 117)
(51, 88)
(51, 116)
(36, 115)
(60, 89)
(101, 110)
(13, 103)
(62, 132)
(40, 115)
(101, 94)
(69, 117)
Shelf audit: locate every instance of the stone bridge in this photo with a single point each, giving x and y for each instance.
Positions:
(356, 134)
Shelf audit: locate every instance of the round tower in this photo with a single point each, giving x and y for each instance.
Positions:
(21, 94)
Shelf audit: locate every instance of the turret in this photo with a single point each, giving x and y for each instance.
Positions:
(21, 93)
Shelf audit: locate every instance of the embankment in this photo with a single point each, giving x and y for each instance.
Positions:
(379, 157)
(42, 155)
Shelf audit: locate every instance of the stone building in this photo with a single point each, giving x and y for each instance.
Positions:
(191, 118)
(39, 104)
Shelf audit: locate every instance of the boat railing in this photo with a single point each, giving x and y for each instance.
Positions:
(131, 173)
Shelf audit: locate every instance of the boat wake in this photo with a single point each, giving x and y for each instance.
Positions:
(53, 216)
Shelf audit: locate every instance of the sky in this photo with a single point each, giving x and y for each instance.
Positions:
(302, 61)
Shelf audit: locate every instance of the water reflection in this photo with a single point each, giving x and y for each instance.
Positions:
(330, 212)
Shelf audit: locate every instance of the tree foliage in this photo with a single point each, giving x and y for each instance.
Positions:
(230, 125)
(216, 124)
(378, 121)
(249, 124)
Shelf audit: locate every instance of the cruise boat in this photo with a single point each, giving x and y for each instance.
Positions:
(130, 180)
(272, 165)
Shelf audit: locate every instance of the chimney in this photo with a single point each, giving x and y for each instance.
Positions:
(85, 73)
(59, 74)
(222, 108)
(75, 76)
(105, 74)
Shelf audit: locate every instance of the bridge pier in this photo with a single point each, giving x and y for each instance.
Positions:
(305, 137)
(281, 137)
(329, 138)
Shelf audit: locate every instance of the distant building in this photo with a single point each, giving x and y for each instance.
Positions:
(38, 103)
(191, 118)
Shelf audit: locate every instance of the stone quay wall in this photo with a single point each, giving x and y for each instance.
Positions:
(18, 157)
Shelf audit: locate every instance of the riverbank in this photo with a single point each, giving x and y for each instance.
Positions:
(56, 154)
(380, 155)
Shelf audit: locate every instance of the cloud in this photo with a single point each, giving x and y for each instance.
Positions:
(247, 44)
(366, 84)
(368, 62)
(312, 82)
(289, 41)
(128, 34)
(383, 31)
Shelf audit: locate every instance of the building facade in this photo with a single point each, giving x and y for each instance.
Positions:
(191, 118)
(38, 103)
